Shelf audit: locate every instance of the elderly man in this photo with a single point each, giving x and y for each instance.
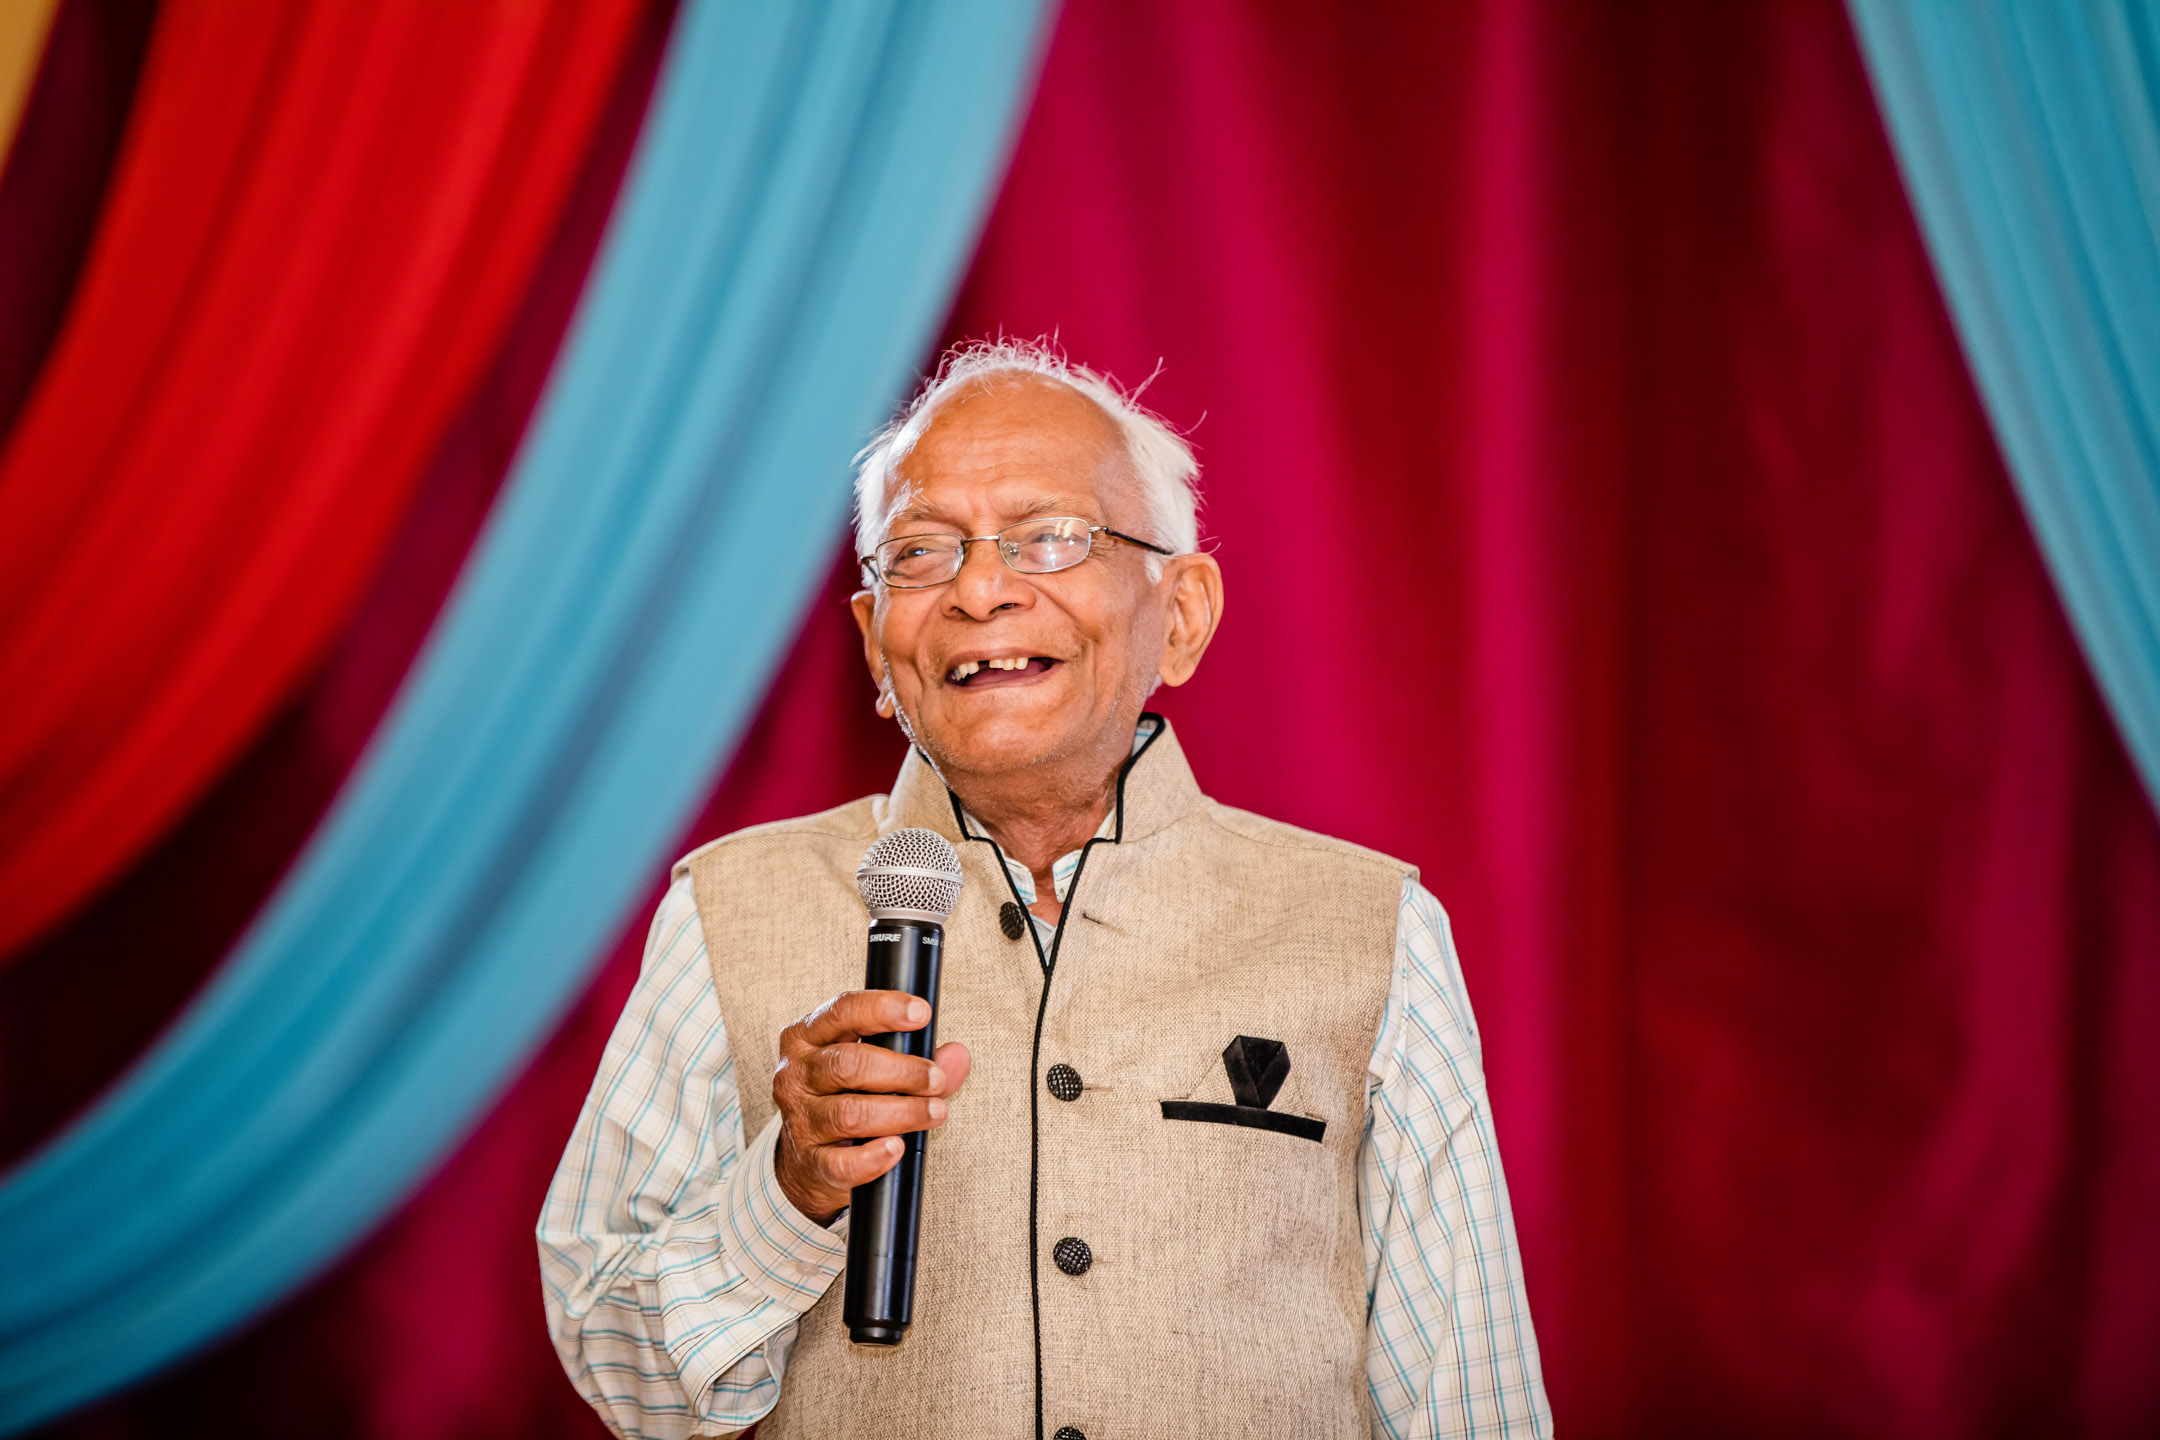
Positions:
(1210, 1153)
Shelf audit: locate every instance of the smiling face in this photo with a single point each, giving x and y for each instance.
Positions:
(995, 671)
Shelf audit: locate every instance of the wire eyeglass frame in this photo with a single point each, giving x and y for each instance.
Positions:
(1008, 550)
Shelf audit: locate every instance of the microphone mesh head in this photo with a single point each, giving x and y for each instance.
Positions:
(910, 870)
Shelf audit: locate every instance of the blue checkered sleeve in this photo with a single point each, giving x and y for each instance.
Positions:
(673, 1269)
(1450, 1352)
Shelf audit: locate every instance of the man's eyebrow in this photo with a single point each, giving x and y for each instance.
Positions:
(1045, 505)
(1055, 505)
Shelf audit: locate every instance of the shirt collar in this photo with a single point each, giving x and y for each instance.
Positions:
(1062, 869)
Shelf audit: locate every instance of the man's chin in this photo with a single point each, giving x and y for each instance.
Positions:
(1016, 738)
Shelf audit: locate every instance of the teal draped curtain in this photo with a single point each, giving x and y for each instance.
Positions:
(2028, 132)
(806, 191)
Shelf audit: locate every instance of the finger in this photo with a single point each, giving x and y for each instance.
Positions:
(843, 1167)
(953, 1064)
(856, 1066)
(831, 1118)
(857, 1013)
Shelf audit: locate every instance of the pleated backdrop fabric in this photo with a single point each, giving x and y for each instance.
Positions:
(1613, 530)
(2030, 143)
(58, 165)
(23, 31)
(186, 901)
(808, 185)
(325, 217)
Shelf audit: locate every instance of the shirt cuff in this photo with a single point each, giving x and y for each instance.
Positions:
(786, 1254)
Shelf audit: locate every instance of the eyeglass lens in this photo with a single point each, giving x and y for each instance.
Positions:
(1035, 547)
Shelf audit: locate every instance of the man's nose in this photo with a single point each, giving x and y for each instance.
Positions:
(985, 584)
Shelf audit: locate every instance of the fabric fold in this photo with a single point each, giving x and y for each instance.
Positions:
(322, 220)
(2029, 138)
(808, 187)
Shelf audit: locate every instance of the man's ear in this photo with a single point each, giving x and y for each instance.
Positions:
(1196, 601)
(864, 605)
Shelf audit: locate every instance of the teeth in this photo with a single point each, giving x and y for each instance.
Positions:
(968, 667)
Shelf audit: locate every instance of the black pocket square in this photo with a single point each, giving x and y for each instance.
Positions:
(1257, 1069)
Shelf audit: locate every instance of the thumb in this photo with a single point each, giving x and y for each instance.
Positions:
(953, 1058)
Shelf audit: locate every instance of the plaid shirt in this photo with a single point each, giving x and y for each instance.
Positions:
(675, 1273)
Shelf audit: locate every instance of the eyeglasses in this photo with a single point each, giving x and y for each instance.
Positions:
(1033, 547)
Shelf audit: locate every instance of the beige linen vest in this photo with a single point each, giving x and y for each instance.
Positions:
(1226, 1294)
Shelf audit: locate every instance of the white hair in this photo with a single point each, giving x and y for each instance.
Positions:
(1162, 462)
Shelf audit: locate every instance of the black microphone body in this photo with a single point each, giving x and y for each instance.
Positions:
(885, 1216)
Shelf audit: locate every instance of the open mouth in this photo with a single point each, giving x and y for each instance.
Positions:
(1008, 670)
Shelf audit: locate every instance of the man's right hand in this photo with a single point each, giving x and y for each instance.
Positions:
(832, 1091)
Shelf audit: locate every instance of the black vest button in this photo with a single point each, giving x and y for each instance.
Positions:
(1073, 1256)
(1064, 1082)
(1069, 1432)
(1012, 920)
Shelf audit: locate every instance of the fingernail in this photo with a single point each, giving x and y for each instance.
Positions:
(937, 1111)
(936, 1080)
(892, 1144)
(918, 1011)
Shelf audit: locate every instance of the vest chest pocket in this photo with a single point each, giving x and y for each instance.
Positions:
(1242, 1089)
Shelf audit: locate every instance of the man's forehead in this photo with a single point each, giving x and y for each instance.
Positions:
(1022, 421)
(1016, 449)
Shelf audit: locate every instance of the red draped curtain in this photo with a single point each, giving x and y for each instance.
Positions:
(324, 216)
(1612, 531)
(176, 910)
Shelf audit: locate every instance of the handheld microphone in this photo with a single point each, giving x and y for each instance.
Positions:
(910, 881)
